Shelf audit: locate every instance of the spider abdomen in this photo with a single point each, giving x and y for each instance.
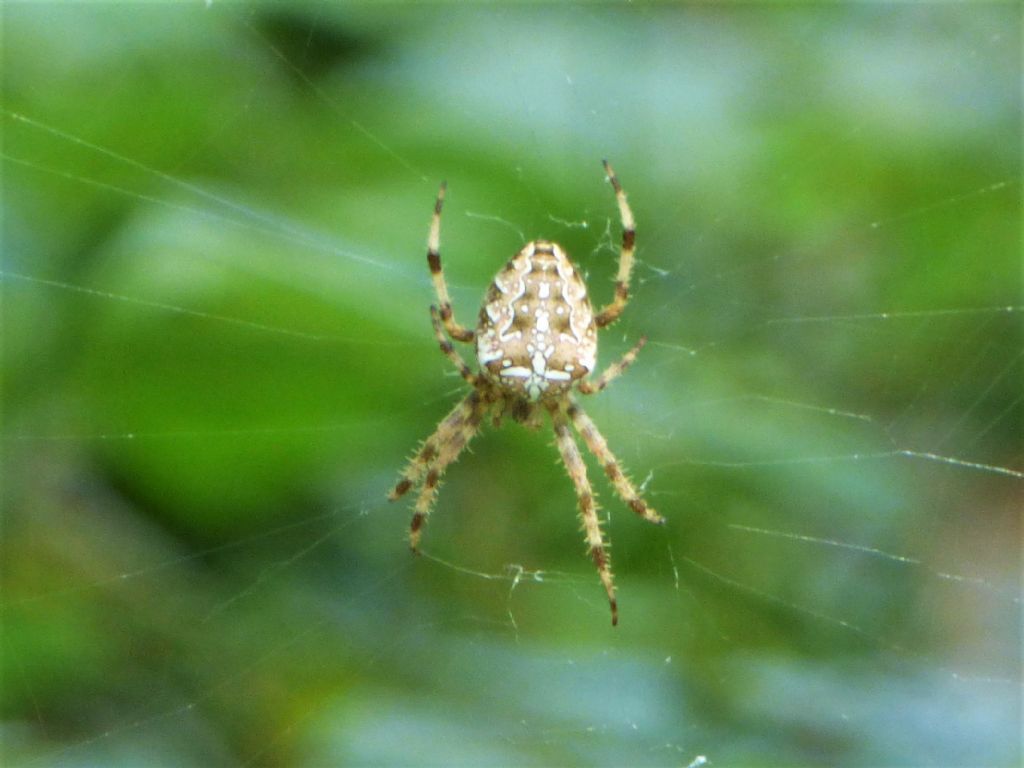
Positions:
(536, 336)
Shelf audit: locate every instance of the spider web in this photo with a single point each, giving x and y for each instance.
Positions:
(218, 356)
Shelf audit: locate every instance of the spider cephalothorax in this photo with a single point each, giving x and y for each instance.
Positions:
(536, 340)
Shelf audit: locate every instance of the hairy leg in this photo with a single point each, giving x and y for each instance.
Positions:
(453, 436)
(456, 331)
(610, 313)
(599, 447)
(613, 371)
(427, 454)
(588, 507)
(449, 351)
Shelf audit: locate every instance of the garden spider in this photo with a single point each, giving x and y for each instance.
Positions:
(536, 340)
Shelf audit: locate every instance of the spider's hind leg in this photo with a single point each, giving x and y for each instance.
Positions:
(456, 331)
(610, 313)
(448, 350)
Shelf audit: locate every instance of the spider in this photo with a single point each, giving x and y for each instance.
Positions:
(536, 342)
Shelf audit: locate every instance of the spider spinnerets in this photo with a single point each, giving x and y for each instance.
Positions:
(536, 340)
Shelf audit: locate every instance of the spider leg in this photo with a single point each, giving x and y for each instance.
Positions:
(613, 371)
(428, 452)
(452, 436)
(456, 331)
(449, 350)
(588, 507)
(599, 447)
(610, 313)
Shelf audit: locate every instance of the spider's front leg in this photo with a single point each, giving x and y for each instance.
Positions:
(599, 447)
(429, 451)
(588, 507)
(438, 451)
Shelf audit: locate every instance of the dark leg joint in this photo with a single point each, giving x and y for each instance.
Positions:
(401, 489)
(434, 260)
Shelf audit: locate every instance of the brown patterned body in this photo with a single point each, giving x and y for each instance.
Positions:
(536, 336)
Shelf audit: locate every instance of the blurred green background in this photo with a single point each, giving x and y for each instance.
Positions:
(217, 356)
